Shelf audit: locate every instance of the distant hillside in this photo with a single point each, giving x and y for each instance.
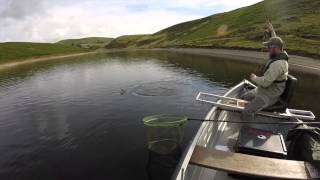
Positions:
(296, 21)
(126, 41)
(22, 50)
(87, 43)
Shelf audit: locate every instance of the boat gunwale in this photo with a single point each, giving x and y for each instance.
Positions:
(179, 173)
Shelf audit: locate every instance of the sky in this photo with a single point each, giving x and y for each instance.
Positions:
(53, 20)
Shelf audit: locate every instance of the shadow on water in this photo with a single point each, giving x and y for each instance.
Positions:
(162, 166)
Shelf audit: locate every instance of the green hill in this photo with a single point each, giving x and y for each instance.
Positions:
(22, 50)
(126, 41)
(87, 43)
(296, 21)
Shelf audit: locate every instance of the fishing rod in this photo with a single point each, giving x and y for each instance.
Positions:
(266, 36)
(251, 122)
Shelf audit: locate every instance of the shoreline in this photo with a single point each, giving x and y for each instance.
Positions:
(40, 59)
(298, 63)
(19, 62)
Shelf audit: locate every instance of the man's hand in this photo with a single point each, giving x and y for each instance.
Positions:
(270, 26)
(253, 76)
(271, 29)
(242, 103)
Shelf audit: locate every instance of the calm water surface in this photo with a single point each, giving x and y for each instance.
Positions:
(80, 118)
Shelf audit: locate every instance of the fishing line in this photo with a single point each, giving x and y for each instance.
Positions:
(251, 122)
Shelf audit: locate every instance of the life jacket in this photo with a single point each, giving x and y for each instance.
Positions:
(282, 56)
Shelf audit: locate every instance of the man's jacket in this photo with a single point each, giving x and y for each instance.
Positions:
(272, 84)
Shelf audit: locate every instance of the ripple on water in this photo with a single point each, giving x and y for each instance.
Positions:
(159, 88)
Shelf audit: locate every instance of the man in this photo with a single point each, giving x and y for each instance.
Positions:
(272, 82)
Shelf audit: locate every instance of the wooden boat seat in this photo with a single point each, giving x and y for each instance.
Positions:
(254, 166)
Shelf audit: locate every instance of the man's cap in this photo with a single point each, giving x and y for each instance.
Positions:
(274, 41)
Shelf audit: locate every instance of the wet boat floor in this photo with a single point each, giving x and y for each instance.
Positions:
(230, 134)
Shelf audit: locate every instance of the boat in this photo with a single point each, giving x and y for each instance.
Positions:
(223, 136)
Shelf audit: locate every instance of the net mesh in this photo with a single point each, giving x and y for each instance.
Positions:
(164, 120)
(164, 132)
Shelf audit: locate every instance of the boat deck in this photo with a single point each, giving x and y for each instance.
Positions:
(225, 139)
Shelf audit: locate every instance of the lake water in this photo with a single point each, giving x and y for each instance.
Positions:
(81, 118)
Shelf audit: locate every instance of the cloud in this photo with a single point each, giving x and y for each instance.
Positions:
(50, 21)
(18, 9)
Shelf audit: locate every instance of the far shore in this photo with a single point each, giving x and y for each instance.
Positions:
(39, 59)
(298, 63)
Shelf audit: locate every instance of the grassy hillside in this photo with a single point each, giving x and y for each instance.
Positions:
(87, 43)
(21, 50)
(296, 21)
(125, 41)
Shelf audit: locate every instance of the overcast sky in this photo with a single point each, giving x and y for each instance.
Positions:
(53, 20)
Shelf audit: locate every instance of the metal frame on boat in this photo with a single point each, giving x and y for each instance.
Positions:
(235, 106)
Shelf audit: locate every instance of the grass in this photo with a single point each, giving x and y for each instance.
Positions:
(128, 41)
(296, 21)
(10, 51)
(91, 43)
(22, 50)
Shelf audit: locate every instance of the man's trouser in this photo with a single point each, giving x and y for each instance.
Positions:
(256, 104)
